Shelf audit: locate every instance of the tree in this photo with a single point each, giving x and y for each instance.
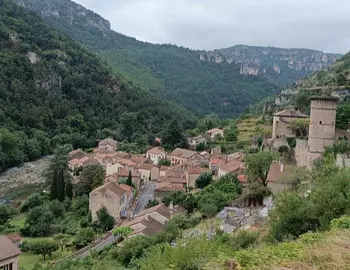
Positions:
(129, 180)
(43, 247)
(32, 201)
(173, 136)
(62, 240)
(57, 208)
(231, 132)
(92, 176)
(58, 173)
(106, 222)
(343, 116)
(39, 221)
(6, 212)
(152, 203)
(164, 162)
(209, 210)
(300, 127)
(84, 237)
(204, 180)
(69, 189)
(258, 166)
(81, 205)
(122, 231)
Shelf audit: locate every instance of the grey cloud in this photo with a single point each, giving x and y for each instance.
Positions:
(209, 24)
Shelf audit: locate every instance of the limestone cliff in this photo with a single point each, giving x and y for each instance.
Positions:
(279, 65)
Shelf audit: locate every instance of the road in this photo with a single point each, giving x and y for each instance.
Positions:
(146, 195)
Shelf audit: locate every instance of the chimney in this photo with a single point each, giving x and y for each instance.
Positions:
(147, 219)
(282, 167)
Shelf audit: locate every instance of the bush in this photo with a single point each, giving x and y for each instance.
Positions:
(6, 213)
(244, 239)
(32, 201)
(84, 237)
(341, 223)
(57, 208)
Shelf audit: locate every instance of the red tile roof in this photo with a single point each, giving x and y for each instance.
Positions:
(156, 151)
(164, 168)
(168, 186)
(126, 162)
(14, 237)
(183, 153)
(243, 179)
(279, 172)
(76, 154)
(114, 187)
(127, 188)
(233, 165)
(138, 159)
(125, 173)
(7, 248)
(145, 166)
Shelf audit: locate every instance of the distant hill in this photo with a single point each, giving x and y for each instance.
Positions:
(53, 91)
(225, 81)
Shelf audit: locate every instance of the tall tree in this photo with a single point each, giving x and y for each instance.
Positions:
(69, 189)
(174, 136)
(129, 180)
(58, 173)
(258, 166)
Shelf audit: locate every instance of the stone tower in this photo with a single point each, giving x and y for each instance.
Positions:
(322, 125)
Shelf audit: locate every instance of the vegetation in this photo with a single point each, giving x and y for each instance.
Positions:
(204, 180)
(67, 97)
(42, 247)
(105, 221)
(92, 176)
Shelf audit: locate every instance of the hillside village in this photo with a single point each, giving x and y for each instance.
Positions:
(121, 154)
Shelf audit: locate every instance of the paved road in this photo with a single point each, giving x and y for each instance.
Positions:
(146, 195)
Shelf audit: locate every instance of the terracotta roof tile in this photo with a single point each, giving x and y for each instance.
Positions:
(125, 173)
(115, 188)
(233, 165)
(184, 153)
(278, 172)
(156, 151)
(291, 113)
(108, 141)
(126, 162)
(145, 166)
(14, 237)
(7, 248)
(127, 188)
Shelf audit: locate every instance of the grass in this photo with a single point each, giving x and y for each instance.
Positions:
(27, 260)
(250, 127)
(18, 221)
(322, 251)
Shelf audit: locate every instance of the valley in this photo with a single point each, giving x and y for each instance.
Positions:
(122, 154)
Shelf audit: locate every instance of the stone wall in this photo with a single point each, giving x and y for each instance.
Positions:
(301, 153)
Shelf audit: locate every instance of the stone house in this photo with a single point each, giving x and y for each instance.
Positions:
(139, 159)
(194, 141)
(111, 196)
(129, 191)
(144, 226)
(156, 154)
(180, 156)
(163, 170)
(192, 174)
(163, 189)
(79, 163)
(108, 145)
(215, 162)
(233, 166)
(148, 171)
(280, 128)
(126, 164)
(277, 178)
(9, 253)
(215, 132)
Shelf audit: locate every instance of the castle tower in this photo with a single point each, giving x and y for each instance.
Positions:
(322, 125)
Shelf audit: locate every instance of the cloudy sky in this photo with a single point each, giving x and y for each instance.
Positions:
(209, 24)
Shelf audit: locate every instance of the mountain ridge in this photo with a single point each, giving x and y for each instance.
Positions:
(171, 72)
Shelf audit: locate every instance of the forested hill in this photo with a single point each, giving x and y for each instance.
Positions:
(190, 78)
(53, 91)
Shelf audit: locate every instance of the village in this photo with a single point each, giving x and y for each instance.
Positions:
(186, 166)
(157, 174)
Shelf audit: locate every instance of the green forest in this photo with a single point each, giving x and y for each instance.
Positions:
(171, 72)
(67, 95)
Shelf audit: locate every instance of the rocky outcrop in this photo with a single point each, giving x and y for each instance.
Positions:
(280, 65)
(71, 12)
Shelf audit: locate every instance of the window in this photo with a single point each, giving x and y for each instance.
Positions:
(320, 122)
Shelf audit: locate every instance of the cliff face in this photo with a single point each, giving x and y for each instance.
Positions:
(279, 65)
(70, 12)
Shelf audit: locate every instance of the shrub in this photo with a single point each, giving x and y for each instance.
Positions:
(84, 237)
(341, 223)
(244, 239)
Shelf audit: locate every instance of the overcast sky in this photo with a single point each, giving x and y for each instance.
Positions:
(214, 24)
